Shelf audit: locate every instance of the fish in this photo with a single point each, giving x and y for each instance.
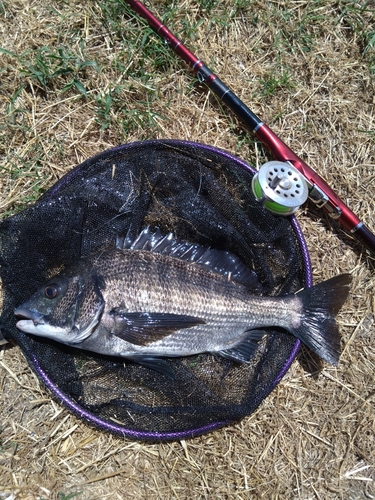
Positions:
(155, 296)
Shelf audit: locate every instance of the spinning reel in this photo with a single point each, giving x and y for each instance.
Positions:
(280, 187)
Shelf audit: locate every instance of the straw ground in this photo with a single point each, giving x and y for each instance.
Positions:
(79, 77)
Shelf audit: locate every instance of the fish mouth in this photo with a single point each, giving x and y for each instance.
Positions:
(30, 315)
(33, 322)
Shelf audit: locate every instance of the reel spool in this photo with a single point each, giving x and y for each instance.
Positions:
(280, 187)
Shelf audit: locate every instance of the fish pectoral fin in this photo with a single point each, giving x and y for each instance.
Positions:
(245, 350)
(141, 328)
(157, 364)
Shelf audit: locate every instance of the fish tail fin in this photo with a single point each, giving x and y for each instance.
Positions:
(318, 329)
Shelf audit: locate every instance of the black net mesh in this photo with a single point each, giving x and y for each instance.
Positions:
(202, 195)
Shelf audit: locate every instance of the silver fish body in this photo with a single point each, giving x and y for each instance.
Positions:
(159, 297)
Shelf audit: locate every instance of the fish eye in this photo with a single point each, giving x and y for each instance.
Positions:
(51, 291)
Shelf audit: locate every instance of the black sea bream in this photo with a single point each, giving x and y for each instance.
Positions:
(159, 297)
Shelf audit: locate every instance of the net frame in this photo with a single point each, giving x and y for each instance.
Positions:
(155, 435)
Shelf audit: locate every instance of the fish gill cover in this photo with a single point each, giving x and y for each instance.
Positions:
(202, 195)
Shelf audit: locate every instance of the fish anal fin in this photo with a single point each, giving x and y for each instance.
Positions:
(140, 328)
(245, 350)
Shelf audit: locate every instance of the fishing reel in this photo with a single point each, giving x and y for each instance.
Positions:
(280, 187)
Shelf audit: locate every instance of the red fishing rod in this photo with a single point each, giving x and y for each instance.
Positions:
(318, 190)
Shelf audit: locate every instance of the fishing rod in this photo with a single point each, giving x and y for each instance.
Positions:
(284, 184)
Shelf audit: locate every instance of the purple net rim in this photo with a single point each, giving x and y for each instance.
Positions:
(159, 436)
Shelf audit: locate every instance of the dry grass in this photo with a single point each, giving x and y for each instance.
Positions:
(307, 68)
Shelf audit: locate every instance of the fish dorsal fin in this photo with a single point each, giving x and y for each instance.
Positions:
(219, 261)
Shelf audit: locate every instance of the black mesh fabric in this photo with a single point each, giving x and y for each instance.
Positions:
(202, 195)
